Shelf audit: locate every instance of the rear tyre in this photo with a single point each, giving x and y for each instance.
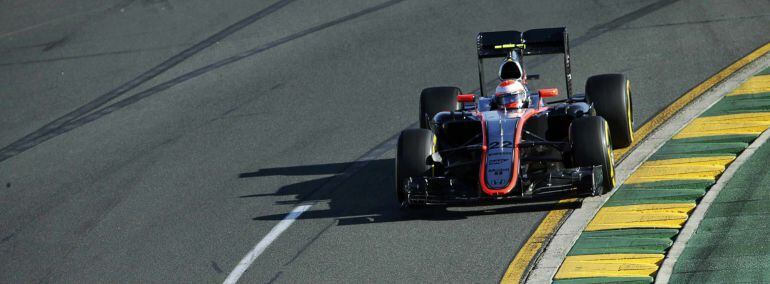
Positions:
(414, 147)
(435, 100)
(590, 139)
(610, 95)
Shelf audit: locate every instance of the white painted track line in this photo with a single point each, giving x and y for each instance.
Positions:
(359, 164)
(264, 243)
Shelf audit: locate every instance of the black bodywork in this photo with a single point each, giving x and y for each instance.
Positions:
(545, 155)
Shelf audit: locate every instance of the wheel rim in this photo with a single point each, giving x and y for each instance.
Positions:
(628, 111)
(610, 156)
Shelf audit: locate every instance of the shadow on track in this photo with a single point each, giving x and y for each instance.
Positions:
(368, 197)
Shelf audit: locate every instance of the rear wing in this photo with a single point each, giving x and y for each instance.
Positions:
(532, 42)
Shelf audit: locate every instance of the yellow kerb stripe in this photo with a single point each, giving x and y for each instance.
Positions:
(698, 168)
(609, 265)
(755, 85)
(713, 161)
(670, 216)
(731, 124)
(518, 266)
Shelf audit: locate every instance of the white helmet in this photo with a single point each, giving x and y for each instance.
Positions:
(510, 94)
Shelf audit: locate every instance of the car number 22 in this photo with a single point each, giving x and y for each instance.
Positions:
(506, 144)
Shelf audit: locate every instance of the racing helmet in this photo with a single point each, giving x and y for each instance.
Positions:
(510, 94)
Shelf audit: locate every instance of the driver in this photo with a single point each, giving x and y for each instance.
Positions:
(511, 94)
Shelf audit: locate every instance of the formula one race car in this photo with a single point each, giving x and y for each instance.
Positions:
(512, 144)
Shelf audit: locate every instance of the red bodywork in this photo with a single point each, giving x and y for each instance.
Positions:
(523, 114)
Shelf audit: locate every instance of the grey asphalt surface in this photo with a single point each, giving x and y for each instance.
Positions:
(159, 141)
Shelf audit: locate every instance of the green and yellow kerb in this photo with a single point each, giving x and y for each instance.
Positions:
(627, 239)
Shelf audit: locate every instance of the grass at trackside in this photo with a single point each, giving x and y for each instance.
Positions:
(732, 243)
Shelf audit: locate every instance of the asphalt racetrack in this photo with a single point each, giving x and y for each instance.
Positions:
(160, 141)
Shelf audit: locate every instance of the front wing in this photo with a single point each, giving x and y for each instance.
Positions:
(580, 181)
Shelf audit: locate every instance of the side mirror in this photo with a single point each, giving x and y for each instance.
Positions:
(533, 77)
(466, 98)
(548, 93)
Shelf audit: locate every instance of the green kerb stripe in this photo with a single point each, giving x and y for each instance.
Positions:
(674, 150)
(740, 104)
(654, 196)
(620, 245)
(641, 233)
(669, 184)
(624, 241)
(764, 72)
(747, 138)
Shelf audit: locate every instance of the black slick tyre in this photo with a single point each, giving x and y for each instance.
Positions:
(610, 95)
(414, 147)
(435, 100)
(590, 141)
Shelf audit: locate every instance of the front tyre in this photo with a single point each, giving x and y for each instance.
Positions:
(590, 141)
(435, 100)
(414, 147)
(610, 95)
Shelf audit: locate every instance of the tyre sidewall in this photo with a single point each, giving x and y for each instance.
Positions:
(610, 96)
(414, 147)
(589, 138)
(437, 99)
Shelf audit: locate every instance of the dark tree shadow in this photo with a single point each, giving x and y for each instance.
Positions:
(363, 193)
